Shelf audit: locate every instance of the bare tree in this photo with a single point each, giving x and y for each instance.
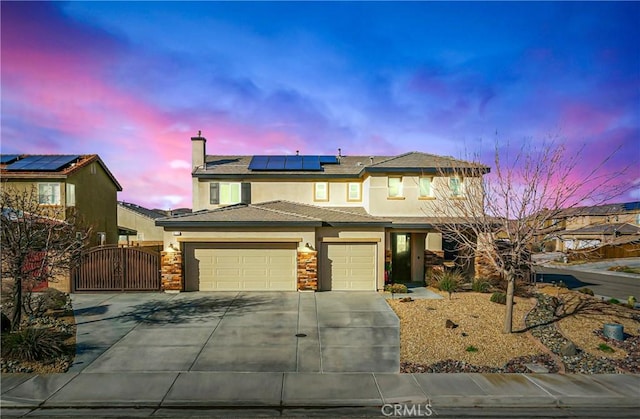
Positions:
(38, 243)
(496, 217)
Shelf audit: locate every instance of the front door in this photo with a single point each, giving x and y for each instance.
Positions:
(400, 257)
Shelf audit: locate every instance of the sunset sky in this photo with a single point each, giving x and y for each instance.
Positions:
(133, 82)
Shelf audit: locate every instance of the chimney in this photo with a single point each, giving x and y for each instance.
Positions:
(198, 150)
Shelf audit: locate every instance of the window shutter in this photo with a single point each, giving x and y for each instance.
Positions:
(214, 193)
(246, 193)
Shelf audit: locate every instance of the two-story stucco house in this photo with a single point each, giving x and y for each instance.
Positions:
(63, 182)
(311, 222)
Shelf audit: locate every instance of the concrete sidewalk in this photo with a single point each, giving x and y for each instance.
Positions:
(212, 394)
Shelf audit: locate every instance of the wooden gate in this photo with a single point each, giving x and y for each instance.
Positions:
(111, 268)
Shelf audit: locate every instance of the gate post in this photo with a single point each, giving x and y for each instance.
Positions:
(171, 270)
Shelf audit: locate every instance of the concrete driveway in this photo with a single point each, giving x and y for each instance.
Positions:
(236, 331)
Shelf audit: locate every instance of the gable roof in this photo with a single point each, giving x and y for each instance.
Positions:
(605, 229)
(219, 166)
(607, 209)
(145, 212)
(72, 166)
(269, 214)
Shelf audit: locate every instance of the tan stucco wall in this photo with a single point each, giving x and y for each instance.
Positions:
(374, 194)
(145, 225)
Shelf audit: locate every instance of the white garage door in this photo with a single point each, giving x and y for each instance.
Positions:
(349, 266)
(246, 267)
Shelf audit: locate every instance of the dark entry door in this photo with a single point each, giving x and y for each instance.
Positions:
(401, 257)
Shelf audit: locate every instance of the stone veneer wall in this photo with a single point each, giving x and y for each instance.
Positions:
(171, 271)
(308, 271)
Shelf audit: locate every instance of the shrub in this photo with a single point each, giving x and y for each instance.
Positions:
(32, 344)
(587, 291)
(499, 297)
(480, 285)
(471, 348)
(631, 301)
(396, 288)
(605, 348)
(561, 284)
(614, 301)
(448, 281)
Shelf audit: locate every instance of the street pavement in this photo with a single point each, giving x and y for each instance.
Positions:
(161, 355)
(594, 276)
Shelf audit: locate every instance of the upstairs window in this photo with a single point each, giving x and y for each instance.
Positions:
(49, 193)
(354, 191)
(321, 191)
(229, 193)
(456, 186)
(426, 187)
(394, 187)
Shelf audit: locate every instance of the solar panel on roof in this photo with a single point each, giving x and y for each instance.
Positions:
(42, 163)
(311, 163)
(259, 163)
(328, 159)
(293, 163)
(276, 163)
(8, 158)
(290, 163)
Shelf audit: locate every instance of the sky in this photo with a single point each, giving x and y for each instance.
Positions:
(134, 81)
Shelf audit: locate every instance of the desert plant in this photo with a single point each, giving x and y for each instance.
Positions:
(631, 301)
(480, 285)
(31, 344)
(499, 297)
(605, 348)
(471, 348)
(396, 288)
(613, 301)
(448, 281)
(587, 291)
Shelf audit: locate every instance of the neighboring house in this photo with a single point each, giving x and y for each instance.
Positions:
(82, 182)
(137, 227)
(588, 227)
(310, 222)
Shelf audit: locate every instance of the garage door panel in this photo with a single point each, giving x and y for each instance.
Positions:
(246, 267)
(350, 266)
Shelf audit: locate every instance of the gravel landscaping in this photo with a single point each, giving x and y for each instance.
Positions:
(545, 332)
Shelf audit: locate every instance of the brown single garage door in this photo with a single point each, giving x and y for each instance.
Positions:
(349, 266)
(241, 267)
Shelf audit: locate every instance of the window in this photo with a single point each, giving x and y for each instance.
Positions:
(49, 193)
(354, 192)
(229, 193)
(426, 187)
(395, 187)
(70, 195)
(321, 192)
(456, 186)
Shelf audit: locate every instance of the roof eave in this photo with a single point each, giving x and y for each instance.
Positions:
(276, 175)
(201, 224)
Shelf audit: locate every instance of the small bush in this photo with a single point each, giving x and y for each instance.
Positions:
(396, 288)
(32, 344)
(499, 297)
(605, 348)
(587, 291)
(631, 301)
(480, 285)
(614, 301)
(561, 284)
(448, 281)
(471, 348)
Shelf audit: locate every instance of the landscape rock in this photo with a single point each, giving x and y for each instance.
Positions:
(450, 325)
(568, 349)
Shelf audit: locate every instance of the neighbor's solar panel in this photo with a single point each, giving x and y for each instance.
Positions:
(8, 158)
(42, 163)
